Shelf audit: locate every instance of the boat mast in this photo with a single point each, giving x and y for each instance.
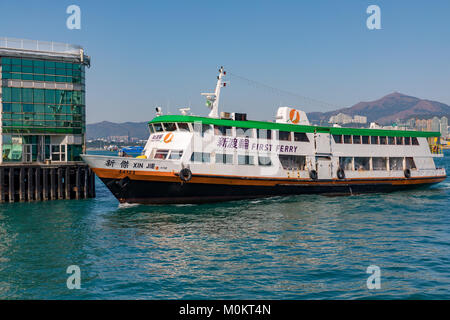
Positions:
(212, 99)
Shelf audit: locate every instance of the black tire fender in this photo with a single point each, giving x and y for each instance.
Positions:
(313, 174)
(340, 173)
(185, 174)
(407, 173)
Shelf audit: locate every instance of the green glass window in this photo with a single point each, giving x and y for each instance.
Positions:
(6, 94)
(50, 96)
(27, 95)
(38, 63)
(16, 95)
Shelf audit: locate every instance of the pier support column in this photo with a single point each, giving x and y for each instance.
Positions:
(37, 183)
(86, 182)
(60, 186)
(67, 183)
(52, 184)
(11, 196)
(77, 183)
(22, 184)
(30, 185)
(45, 184)
(2, 185)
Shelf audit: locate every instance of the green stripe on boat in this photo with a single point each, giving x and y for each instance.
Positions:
(293, 127)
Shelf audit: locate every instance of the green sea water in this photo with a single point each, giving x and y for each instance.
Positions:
(297, 247)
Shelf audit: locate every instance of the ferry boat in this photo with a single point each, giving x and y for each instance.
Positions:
(193, 159)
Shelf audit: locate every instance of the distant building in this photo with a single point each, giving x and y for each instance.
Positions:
(342, 118)
(444, 127)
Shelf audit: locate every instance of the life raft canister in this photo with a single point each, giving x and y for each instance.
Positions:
(340, 173)
(185, 174)
(407, 173)
(294, 116)
(313, 174)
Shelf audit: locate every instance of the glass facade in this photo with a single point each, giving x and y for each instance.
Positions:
(31, 116)
(31, 110)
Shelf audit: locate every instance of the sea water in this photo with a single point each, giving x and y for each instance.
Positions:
(296, 247)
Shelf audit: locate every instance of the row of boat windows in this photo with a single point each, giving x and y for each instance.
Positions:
(354, 139)
(295, 162)
(229, 131)
(376, 163)
(289, 162)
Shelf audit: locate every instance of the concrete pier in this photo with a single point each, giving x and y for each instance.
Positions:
(22, 182)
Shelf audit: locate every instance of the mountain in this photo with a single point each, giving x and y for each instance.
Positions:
(107, 129)
(390, 108)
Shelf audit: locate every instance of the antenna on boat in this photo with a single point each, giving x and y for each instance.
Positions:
(212, 99)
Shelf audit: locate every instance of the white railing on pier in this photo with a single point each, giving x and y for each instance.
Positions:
(43, 46)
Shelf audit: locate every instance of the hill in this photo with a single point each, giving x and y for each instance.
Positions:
(388, 109)
(107, 129)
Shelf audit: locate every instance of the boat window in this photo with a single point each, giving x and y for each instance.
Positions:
(200, 157)
(337, 138)
(365, 139)
(407, 141)
(264, 161)
(206, 129)
(347, 138)
(245, 160)
(222, 131)
(176, 154)
(346, 163)
(379, 163)
(244, 132)
(150, 128)
(161, 154)
(264, 134)
(391, 140)
(414, 141)
(410, 164)
(183, 126)
(383, 140)
(396, 163)
(362, 163)
(158, 127)
(284, 135)
(300, 136)
(291, 162)
(224, 158)
(399, 140)
(170, 126)
(373, 140)
(357, 139)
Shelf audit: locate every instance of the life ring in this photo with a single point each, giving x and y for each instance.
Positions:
(340, 173)
(313, 174)
(407, 173)
(185, 174)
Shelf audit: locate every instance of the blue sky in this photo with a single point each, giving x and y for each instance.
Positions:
(147, 53)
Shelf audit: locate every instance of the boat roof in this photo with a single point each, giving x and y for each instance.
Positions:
(293, 127)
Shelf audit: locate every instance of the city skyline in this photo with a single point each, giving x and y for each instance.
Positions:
(163, 57)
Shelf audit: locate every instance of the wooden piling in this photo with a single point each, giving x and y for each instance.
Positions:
(60, 184)
(52, 184)
(2, 184)
(11, 195)
(86, 182)
(67, 183)
(45, 184)
(37, 184)
(30, 196)
(22, 184)
(77, 183)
